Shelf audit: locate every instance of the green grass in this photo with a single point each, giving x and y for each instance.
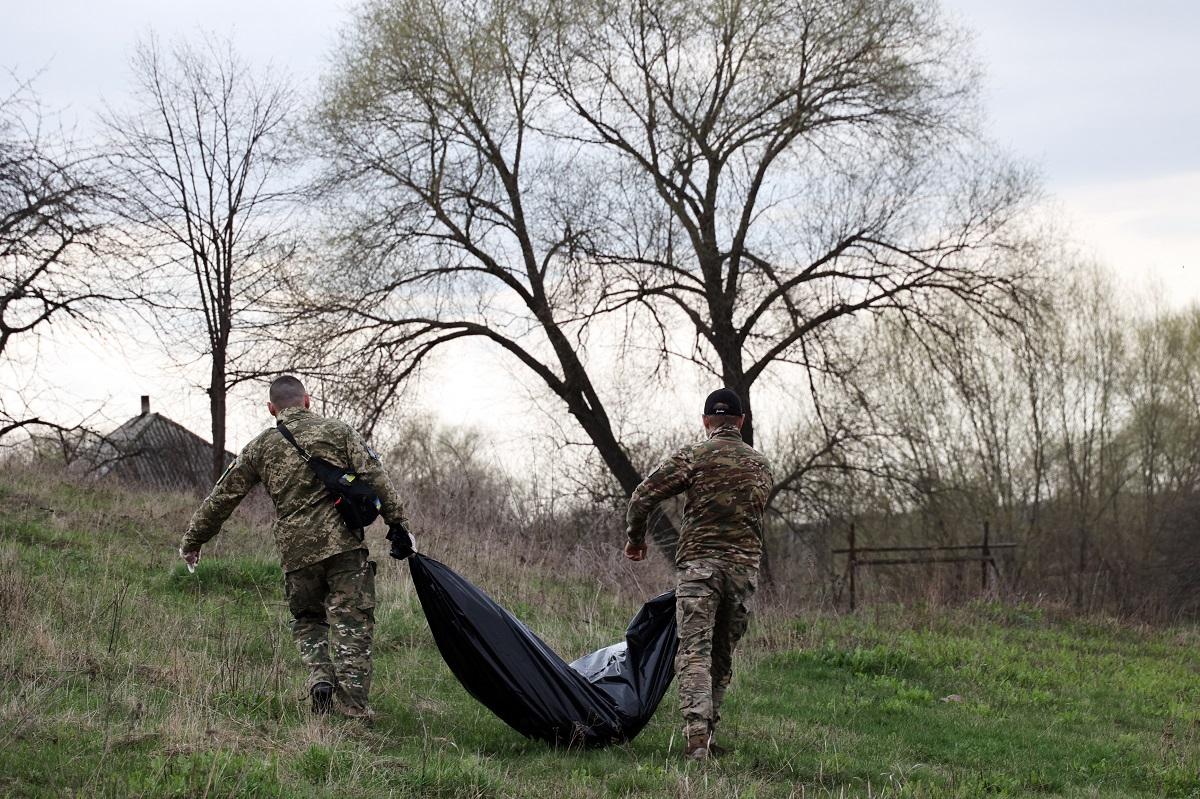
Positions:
(127, 676)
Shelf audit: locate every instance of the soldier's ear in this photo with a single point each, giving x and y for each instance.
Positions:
(306, 401)
(271, 408)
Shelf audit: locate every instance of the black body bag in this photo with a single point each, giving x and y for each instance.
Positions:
(603, 698)
(353, 498)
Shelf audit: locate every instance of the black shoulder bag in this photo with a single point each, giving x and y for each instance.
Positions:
(353, 498)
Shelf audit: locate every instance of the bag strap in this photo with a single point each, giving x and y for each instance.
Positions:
(292, 440)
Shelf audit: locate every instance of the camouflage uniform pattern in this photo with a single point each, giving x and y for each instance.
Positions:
(330, 583)
(711, 610)
(727, 483)
(720, 546)
(335, 599)
(308, 528)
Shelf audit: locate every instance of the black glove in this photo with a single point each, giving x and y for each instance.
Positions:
(403, 543)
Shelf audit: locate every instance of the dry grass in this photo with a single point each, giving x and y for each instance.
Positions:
(128, 677)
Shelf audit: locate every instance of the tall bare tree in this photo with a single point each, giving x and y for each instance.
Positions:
(199, 163)
(541, 173)
(458, 218)
(785, 167)
(50, 230)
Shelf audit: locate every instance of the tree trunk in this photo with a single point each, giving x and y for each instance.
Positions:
(611, 451)
(216, 406)
(585, 405)
(662, 530)
(743, 392)
(734, 375)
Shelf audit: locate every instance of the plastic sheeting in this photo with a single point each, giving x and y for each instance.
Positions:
(602, 698)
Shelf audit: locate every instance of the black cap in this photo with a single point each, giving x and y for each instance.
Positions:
(723, 402)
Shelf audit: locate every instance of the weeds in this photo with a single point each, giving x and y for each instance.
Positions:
(126, 676)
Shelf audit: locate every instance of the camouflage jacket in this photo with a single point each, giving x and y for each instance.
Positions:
(727, 483)
(307, 528)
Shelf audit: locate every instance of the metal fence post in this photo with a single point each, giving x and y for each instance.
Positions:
(1083, 542)
(987, 555)
(853, 564)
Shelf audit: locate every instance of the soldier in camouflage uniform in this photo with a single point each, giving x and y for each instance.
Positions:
(720, 546)
(330, 583)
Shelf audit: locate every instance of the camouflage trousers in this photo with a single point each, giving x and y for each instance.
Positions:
(711, 611)
(333, 617)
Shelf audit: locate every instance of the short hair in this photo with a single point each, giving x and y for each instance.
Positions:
(721, 419)
(287, 392)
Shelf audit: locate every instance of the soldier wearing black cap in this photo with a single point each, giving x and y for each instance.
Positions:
(720, 545)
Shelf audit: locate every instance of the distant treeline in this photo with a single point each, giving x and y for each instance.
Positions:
(1075, 434)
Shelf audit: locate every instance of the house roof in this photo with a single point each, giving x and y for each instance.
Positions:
(154, 450)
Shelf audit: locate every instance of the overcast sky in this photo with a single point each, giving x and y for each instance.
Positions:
(1102, 95)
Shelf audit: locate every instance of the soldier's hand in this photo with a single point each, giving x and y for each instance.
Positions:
(190, 557)
(403, 542)
(635, 551)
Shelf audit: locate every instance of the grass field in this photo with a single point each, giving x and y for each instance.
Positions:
(126, 676)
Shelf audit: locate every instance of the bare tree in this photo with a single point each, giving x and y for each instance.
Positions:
(457, 218)
(786, 167)
(50, 231)
(730, 185)
(198, 161)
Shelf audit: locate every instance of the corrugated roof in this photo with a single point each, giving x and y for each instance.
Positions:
(153, 450)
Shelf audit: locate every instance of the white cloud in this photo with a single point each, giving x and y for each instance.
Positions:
(1147, 230)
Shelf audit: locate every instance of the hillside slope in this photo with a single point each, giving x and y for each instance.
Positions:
(126, 676)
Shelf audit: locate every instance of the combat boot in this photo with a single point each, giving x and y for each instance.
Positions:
(322, 698)
(715, 749)
(697, 748)
(363, 715)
